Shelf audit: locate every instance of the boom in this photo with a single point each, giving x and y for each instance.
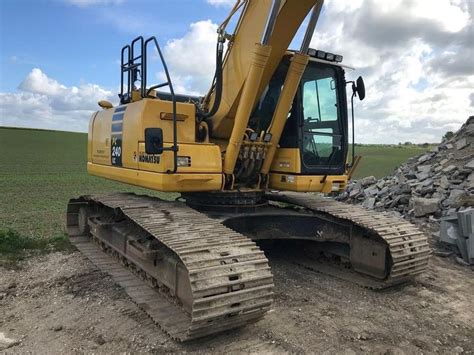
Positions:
(256, 25)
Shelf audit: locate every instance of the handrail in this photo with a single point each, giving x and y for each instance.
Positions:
(132, 64)
(168, 83)
(123, 69)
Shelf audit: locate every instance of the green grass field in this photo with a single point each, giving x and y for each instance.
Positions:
(41, 170)
(382, 160)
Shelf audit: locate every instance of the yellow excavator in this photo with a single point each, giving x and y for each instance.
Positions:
(252, 161)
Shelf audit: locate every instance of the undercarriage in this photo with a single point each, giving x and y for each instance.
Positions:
(200, 266)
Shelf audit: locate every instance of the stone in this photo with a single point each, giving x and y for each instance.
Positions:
(355, 191)
(461, 143)
(442, 253)
(384, 191)
(425, 206)
(424, 157)
(449, 168)
(454, 194)
(99, 340)
(443, 182)
(470, 165)
(470, 130)
(432, 185)
(422, 176)
(427, 182)
(6, 343)
(470, 177)
(401, 189)
(369, 180)
(369, 203)
(424, 168)
(371, 191)
(449, 230)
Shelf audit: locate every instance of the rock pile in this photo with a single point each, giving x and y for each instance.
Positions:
(437, 183)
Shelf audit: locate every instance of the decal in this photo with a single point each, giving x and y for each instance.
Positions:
(117, 117)
(116, 148)
(116, 136)
(148, 158)
(117, 127)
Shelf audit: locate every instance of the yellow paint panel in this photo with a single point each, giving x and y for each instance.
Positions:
(101, 134)
(89, 137)
(307, 183)
(159, 181)
(205, 158)
(287, 160)
(155, 112)
(146, 113)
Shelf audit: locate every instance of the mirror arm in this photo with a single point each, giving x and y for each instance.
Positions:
(354, 93)
(353, 128)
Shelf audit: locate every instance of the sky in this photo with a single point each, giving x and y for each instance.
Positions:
(58, 58)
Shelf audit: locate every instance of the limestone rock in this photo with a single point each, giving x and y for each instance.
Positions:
(425, 206)
(429, 186)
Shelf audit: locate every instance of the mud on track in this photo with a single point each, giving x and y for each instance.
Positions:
(61, 303)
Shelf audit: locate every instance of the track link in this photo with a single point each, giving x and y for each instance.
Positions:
(228, 276)
(408, 247)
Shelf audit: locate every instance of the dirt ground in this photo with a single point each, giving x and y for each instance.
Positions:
(62, 304)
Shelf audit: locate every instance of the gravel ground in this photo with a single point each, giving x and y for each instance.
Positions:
(63, 304)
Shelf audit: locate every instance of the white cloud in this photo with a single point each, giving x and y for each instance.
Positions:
(37, 82)
(221, 2)
(415, 63)
(191, 59)
(418, 83)
(45, 103)
(415, 57)
(88, 3)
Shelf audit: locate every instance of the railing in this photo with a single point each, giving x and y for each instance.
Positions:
(135, 64)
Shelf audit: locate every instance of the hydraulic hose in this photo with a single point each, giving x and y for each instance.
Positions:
(217, 87)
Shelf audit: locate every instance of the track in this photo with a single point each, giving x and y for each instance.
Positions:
(196, 276)
(408, 250)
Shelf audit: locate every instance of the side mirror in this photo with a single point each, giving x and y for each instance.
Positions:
(359, 87)
(153, 140)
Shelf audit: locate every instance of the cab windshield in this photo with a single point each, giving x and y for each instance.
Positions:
(322, 131)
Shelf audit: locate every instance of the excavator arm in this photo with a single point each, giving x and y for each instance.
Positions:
(270, 23)
(263, 34)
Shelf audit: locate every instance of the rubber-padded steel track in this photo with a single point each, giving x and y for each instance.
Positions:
(407, 245)
(230, 279)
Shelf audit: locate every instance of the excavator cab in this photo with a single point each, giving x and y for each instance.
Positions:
(317, 123)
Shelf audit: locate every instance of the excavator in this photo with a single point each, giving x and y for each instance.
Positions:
(255, 160)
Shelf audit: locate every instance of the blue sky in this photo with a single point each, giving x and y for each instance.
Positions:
(59, 57)
(82, 42)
